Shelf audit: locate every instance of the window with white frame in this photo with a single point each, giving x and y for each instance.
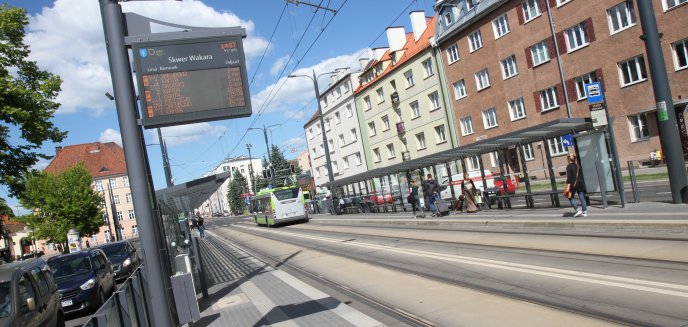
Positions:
(99, 185)
(494, 159)
(452, 54)
(128, 197)
(322, 149)
(335, 167)
(135, 230)
(368, 104)
(385, 123)
(113, 183)
(528, 153)
(317, 172)
(556, 146)
(315, 152)
(420, 141)
(576, 37)
(632, 71)
(380, 95)
(371, 128)
(434, 99)
(621, 17)
(482, 79)
(475, 41)
(549, 99)
(517, 109)
(376, 155)
(347, 87)
(531, 9)
(346, 162)
(310, 133)
(327, 124)
(470, 5)
(466, 126)
(440, 134)
(639, 127)
(349, 111)
(337, 93)
(354, 137)
(318, 129)
(473, 163)
(490, 118)
(562, 2)
(668, 4)
(581, 81)
(390, 151)
(408, 75)
(126, 181)
(428, 69)
(680, 54)
(415, 109)
(108, 236)
(116, 199)
(337, 118)
(448, 18)
(120, 216)
(459, 89)
(509, 68)
(540, 53)
(131, 214)
(500, 26)
(342, 141)
(357, 156)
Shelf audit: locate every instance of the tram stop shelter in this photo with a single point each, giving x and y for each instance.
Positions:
(395, 176)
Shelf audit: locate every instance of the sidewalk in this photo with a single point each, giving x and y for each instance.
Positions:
(247, 292)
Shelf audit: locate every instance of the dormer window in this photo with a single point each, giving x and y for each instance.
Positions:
(448, 18)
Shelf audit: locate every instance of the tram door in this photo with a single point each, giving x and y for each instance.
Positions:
(593, 148)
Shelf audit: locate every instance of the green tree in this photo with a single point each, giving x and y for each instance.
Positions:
(61, 202)
(280, 166)
(237, 186)
(27, 103)
(5, 211)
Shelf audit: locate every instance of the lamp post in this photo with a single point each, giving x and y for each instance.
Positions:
(165, 160)
(252, 187)
(267, 145)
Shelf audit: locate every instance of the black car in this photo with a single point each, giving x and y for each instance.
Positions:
(123, 256)
(28, 295)
(85, 279)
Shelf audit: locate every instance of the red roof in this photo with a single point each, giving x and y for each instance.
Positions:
(411, 49)
(316, 115)
(100, 159)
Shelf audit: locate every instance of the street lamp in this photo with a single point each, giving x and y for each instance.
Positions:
(267, 145)
(252, 187)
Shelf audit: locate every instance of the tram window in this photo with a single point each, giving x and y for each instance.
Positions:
(286, 194)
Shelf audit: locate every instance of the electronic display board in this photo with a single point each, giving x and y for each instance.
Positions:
(191, 81)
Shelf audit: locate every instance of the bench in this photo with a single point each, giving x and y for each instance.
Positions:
(505, 200)
(352, 209)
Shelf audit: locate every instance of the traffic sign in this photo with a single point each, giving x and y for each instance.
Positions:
(594, 92)
(567, 140)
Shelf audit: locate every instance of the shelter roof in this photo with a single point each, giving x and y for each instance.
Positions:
(190, 195)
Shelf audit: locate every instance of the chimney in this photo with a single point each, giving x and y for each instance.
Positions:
(396, 36)
(58, 149)
(379, 52)
(418, 23)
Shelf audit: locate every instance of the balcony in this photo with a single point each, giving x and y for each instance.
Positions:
(400, 128)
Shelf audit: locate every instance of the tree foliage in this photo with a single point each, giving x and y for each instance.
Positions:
(5, 211)
(27, 103)
(237, 186)
(61, 202)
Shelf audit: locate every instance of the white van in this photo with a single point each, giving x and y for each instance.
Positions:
(457, 179)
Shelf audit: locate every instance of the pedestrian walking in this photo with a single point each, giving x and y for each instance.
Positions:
(468, 190)
(201, 227)
(429, 190)
(575, 185)
(413, 197)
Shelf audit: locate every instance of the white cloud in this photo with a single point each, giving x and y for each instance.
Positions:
(279, 65)
(41, 164)
(67, 39)
(295, 115)
(110, 135)
(292, 142)
(182, 134)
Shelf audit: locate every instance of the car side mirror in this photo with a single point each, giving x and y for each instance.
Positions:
(31, 304)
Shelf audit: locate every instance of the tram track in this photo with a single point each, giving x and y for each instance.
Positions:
(589, 312)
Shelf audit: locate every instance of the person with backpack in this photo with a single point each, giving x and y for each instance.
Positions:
(430, 188)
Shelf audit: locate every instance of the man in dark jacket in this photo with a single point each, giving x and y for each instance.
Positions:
(430, 188)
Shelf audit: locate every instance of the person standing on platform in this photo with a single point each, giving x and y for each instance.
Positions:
(413, 197)
(575, 184)
(201, 227)
(429, 190)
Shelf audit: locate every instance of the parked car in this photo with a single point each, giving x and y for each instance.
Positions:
(28, 295)
(457, 179)
(123, 257)
(85, 279)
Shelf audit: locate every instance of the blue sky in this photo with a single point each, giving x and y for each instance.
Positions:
(66, 38)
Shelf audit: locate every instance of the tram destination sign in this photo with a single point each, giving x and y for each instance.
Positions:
(190, 81)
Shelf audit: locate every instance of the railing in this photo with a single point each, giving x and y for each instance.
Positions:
(126, 307)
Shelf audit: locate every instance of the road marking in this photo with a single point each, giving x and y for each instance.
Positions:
(593, 278)
(664, 192)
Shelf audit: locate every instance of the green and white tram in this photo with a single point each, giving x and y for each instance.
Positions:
(280, 205)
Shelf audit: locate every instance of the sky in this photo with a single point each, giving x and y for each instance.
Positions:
(66, 38)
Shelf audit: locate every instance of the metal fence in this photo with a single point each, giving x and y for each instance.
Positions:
(126, 307)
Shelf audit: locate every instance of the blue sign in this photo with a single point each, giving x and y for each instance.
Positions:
(567, 140)
(594, 92)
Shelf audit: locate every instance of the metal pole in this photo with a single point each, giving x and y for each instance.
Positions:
(267, 146)
(165, 160)
(603, 183)
(634, 182)
(556, 51)
(250, 169)
(132, 138)
(666, 115)
(115, 219)
(328, 162)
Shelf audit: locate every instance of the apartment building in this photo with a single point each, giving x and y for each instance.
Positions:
(504, 67)
(341, 130)
(218, 203)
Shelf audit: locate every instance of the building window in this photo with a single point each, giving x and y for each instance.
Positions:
(349, 111)
(126, 181)
(415, 110)
(318, 129)
(469, 5)
(681, 54)
(448, 18)
(354, 137)
(116, 199)
(428, 69)
(315, 152)
(327, 124)
(509, 68)
(99, 185)
(337, 118)
(120, 216)
(531, 10)
(385, 123)
(632, 71)
(528, 153)
(317, 173)
(466, 126)
(621, 17)
(482, 79)
(380, 95)
(494, 159)
(346, 86)
(336, 93)
(341, 140)
(452, 54)
(420, 140)
(132, 215)
(330, 145)
(335, 167)
(135, 230)
(500, 26)
(576, 37)
(668, 4)
(490, 118)
(409, 79)
(390, 151)
(473, 163)
(346, 162)
(548, 99)
(94, 238)
(556, 146)
(562, 2)
(580, 85)
(368, 105)
(475, 41)
(376, 154)
(440, 135)
(128, 197)
(113, 183)
(108, 237)
(322, 149)
(357, 156)
(310, 136)
(639, 128)
(540, 53)
(434, 99)
(371, 128)
(516, 109)
(459, 89)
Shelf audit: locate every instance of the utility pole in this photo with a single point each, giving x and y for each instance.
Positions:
(666, 115)
(165, 160)
(252, 186)
(267, 145)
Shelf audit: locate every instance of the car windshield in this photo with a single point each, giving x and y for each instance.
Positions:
(70, 266)
(115, 249)
(5, 299)
(287, 194)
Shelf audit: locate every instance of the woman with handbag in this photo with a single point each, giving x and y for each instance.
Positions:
(468, 192)
(575, 185)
